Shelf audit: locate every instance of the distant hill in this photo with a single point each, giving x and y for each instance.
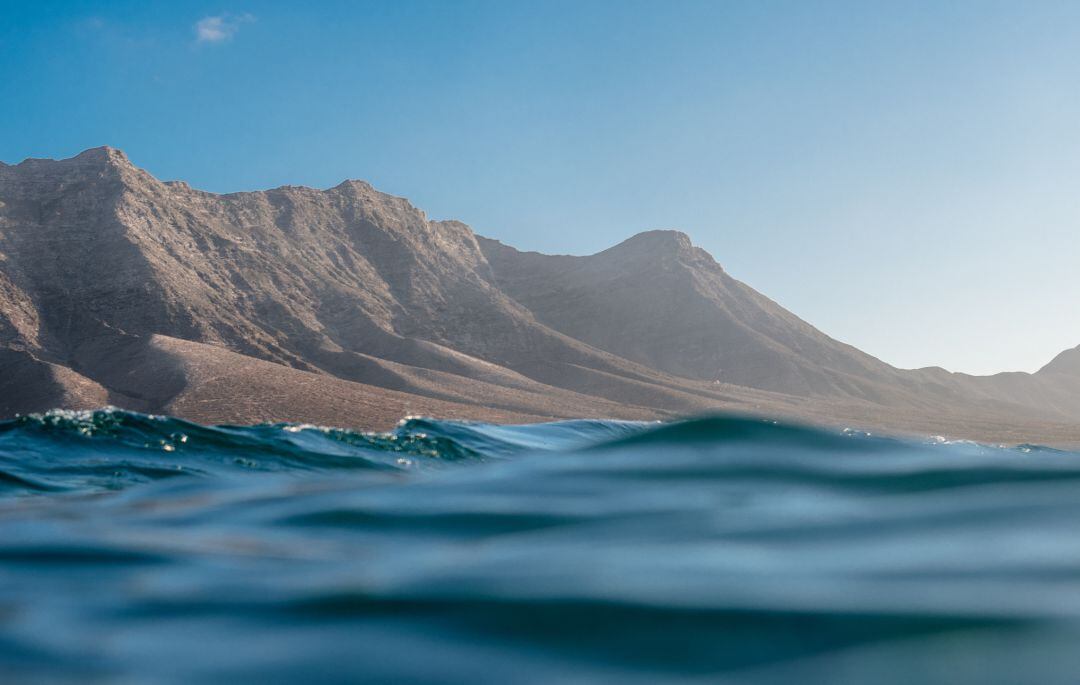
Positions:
(350, 306)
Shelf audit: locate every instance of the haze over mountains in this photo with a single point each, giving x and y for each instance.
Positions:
(350, 307)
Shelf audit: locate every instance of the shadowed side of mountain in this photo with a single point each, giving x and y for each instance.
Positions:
(28, 384)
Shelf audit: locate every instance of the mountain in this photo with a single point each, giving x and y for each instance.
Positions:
(1065, 364)
(101, 261)
(660, 301)
(350, 306)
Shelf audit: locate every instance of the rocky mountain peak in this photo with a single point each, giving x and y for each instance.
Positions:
(661, 248)
(355, 185)
(662, 241)
(43, 176)
(102, 155)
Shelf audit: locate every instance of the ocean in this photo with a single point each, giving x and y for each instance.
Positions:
(146, 549)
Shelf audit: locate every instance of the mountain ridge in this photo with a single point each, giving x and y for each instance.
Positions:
(101, 265)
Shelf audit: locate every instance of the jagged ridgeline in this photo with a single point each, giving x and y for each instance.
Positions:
(350, 307)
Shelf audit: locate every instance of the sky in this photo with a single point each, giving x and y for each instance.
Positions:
(903, 175)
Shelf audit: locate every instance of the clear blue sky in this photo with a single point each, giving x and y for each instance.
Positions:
(903, 175)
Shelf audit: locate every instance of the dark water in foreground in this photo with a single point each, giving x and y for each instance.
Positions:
(141, 549)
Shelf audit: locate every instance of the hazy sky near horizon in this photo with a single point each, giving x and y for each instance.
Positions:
(905, 176)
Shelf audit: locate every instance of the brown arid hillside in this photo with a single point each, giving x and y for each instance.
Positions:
(348, 306)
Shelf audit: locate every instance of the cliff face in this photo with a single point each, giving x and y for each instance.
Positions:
(117, 287)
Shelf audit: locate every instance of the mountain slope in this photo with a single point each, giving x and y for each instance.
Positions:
(107, 274)
(660, 301)
(347, 282)
(1065, 364)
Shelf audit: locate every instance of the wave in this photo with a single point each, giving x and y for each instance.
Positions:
(719, 548)
(112, 448)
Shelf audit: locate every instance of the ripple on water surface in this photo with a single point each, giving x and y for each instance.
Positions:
(150, 549)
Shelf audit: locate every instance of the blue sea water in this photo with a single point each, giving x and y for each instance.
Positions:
(141, 549)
